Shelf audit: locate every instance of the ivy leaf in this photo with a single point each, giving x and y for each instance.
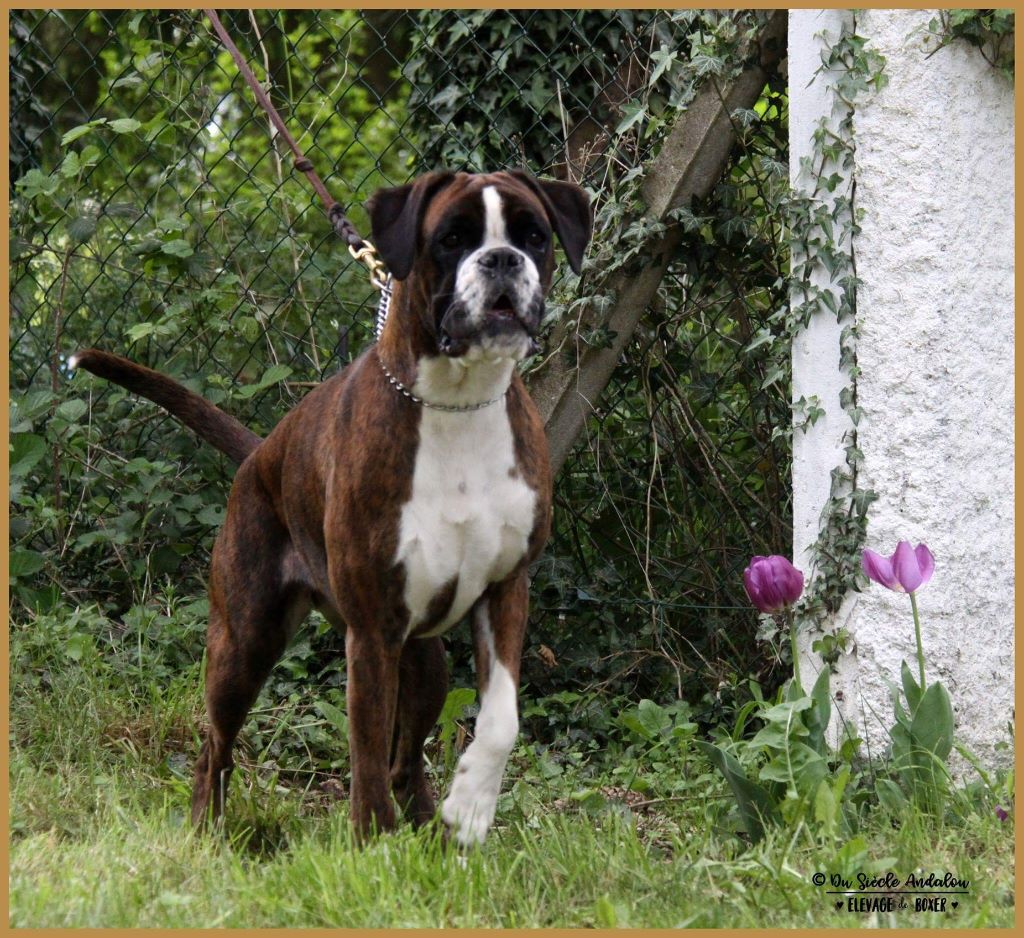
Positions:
(664, 60)
(632, 114)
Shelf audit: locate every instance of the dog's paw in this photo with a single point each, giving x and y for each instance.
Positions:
(469, 809)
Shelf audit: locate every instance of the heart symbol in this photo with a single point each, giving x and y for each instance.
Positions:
(955, 904)
(839, 904)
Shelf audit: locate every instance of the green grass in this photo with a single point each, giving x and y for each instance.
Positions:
(99, 768)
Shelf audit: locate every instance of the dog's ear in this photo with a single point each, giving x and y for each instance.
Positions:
(395, 217)
(569, 211)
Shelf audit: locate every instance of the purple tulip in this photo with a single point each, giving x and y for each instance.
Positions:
(772, 582)
(908, 569)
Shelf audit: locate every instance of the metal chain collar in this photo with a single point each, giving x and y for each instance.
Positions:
(383, 305)
(446, 408)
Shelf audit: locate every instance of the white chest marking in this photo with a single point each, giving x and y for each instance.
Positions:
(470, 514)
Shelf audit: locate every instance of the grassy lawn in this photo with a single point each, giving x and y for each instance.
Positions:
(99, 834)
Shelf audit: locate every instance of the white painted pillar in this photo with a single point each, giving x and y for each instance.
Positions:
(934, 172)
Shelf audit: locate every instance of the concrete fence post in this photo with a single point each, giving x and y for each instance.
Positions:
(934, 192)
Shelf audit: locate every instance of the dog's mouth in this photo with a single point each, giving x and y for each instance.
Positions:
(502, 318)
(504, 309)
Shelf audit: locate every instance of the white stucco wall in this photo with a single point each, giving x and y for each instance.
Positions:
(934, 171)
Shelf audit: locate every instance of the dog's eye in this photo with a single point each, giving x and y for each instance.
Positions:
(451, 240)
(535, 238)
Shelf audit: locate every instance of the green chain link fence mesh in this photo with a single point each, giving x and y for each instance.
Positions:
(153, 216)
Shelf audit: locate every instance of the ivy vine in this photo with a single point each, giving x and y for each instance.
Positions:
(989, 31)
(824, 224)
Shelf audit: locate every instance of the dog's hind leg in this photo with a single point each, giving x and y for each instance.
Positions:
(235, 672)
(252, 614)
(422, 689)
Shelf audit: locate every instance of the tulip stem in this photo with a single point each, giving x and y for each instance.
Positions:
(917, 635)
(794, 651)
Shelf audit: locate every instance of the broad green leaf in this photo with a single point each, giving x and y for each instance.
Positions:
(786, 711)
(334, 715)
(212, 515)
(179, 247)
(25, 562)
(799, 766)
(816, 717)
(890, 796)
(458, 699)
(932, 726)
(70, 166)
(35, 182)
(140, 330)
(910, 688)
(653, 718)
(80, 131)
(125, 125)
(26, 450)
(824, 804)
(754, 802)
(771, 736)
(274, 374)
(72, 410)
(82, 228)
(77, 645)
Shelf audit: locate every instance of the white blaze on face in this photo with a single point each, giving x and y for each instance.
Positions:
(473, 285)
(469, 807)
(494, 219)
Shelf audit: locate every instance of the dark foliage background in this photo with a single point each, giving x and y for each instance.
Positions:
(151, 216)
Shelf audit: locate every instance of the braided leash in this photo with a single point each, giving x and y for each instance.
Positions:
(358, 247)
(361, 249)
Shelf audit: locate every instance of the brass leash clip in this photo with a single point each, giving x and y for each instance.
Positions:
(367, 256)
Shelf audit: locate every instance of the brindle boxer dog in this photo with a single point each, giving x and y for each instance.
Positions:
(402, 495)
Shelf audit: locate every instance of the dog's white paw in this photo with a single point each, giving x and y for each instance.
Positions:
(469, 808)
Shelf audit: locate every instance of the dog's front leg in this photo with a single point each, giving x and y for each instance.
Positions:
(499, 623)
(372, 663)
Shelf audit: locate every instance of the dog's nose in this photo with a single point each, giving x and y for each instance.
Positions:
(501, 261)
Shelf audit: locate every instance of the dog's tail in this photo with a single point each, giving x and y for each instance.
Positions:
(198, 414)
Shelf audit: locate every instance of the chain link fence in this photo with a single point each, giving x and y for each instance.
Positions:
(154, 216)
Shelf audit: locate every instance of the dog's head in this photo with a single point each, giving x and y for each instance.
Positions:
(477, 251)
